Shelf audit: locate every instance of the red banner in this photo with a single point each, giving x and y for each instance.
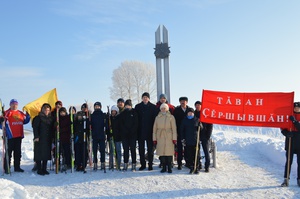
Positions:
(247, 109)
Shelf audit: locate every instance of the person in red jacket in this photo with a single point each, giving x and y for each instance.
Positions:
(14, 121)
(292, 145)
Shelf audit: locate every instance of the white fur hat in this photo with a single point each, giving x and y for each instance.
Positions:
(115, 108)
(164, 105)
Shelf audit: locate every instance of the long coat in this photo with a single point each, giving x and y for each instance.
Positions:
(164, 132)
(42, 129)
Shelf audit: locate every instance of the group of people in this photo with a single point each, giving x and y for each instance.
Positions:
(162, 127)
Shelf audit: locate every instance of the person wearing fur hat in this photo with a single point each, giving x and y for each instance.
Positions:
(179, 113)
(205, 135)
(81, 127)
(114, 132)
(43, 134)
(65, 137)
(14, 122)
(189, 130)
(163, 99)
(146, 115)
(98, 124)
(164, 137)
(128, 121)
(292, 146)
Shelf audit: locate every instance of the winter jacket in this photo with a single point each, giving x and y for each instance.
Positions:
(206, 132)
(179, 114)
(81, 126)
(171, 107)
(295, 136)
(128, 122)
(189, 130)
(65, 129)
(15, 120)
(43, 129)
(114, 126)
(98, 123)
(146, 116)
(164, 132)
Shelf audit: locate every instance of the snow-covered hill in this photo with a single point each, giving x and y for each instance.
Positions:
(250, 165)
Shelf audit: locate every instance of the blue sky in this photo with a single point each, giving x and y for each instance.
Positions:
(226, 45)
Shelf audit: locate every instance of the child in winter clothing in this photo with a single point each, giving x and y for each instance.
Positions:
(189, 133)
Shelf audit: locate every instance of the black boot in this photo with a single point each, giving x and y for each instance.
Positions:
(17, 167)
(39, 168)
(169, 163)
(163, 163)
(150, 167)
(285, 183)
(142, 168)
(44, 167)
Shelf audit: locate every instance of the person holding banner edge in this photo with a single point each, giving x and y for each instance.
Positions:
(292, 145)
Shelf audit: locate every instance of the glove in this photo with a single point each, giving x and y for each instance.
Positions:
(183, 142)
(175, 142)
(1, 119)
(155, 143)
(293, 119)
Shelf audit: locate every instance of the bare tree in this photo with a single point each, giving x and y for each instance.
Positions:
(131, 79)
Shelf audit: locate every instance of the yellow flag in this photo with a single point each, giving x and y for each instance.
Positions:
(33, 108)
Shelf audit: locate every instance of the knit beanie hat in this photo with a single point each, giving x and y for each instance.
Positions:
(146, 94)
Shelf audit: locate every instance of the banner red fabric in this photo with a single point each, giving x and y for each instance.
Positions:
(247, 109)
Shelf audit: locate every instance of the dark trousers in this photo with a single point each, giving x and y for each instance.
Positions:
(204, 144)
(14, 145)
(129, 144)
(190, 153)
(142, 151)
(81, 150)
(291, 161)
(179, 151)
(101, 144)
(66, 151)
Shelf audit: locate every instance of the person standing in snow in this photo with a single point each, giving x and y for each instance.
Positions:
(189, 131)
(43, 133)
(14, 122)
(164, 137)
(163, 99)
(180, 113)
(128, 121)
(292, 145)
(81, 127)
(114, 133)
(98, 124)
(120, 104)
(146, 116)
(65, 136)
(205, 135)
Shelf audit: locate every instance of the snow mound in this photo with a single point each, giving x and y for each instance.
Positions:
(10, 189)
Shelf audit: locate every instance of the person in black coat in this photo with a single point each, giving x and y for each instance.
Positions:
(43, 132)
(292, 145)
(180, 113)
(128, 121)
(98, 125)
(146, 116)
(205, 135)
(81, 128)
(189, 133)
(65, 136)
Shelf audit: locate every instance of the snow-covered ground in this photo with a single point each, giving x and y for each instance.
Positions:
(250, 164)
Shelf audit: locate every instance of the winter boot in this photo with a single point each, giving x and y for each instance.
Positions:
(102, 165)
(44, 167)
(298, 182)
(39, 168)
(34, 167)
(150, 167)
(125, 167)
(133, 167)
(95, 166)
(163, 163)
(179, 166)
(285, 183)
(142, 168)
(207, 170)
(169, 163)
(17, 167)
